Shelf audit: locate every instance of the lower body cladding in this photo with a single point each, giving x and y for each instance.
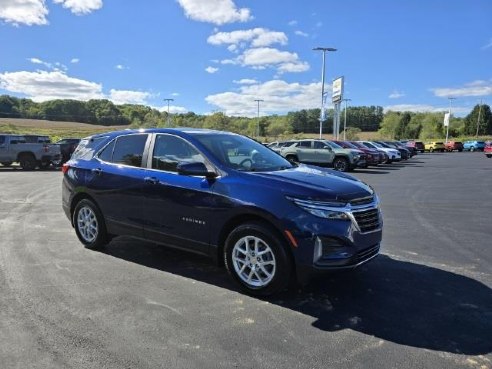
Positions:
(334, 245)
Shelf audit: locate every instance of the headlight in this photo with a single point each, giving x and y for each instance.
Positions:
(328, 210)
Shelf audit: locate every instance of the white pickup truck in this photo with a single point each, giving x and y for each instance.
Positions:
(30, 153)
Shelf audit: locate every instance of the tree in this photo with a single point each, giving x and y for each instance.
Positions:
(390, 124)
(484, 123)
(217, 121)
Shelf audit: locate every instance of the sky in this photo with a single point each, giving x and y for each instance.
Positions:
(222, 55)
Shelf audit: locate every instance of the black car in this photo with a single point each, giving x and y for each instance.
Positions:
(67, 147)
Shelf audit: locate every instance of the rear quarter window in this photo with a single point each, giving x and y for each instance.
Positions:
(88, 147)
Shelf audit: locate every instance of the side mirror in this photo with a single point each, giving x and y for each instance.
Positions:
(195, 169)
(327, 148)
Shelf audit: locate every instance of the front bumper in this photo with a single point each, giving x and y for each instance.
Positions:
(332, 245)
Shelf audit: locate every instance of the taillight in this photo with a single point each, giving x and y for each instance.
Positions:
(65, 168)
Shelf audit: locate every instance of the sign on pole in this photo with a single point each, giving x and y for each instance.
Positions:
(446, 120)
(337, 93)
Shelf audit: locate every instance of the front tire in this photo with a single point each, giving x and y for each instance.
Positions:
(89, 225)
(341, 164)
(256, 259)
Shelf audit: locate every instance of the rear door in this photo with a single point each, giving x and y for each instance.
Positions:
(116, 180)
(306, 152)
(323, 153)
(4, 156)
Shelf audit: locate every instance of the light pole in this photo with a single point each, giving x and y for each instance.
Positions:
(449, 122)
(168, 100)
(258, 122)
(345, 119)
(478, 119)
(322, 113)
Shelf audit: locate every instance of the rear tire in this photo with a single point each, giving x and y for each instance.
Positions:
(292, 158)
(257, 259)
(489, 155)
(6, 163)
(89, 225)
(472, 148)
(27, 162)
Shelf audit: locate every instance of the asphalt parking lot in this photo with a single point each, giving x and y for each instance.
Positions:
(425, 302)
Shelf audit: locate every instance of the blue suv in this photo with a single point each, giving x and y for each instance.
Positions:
(474, 145)
(223, 195)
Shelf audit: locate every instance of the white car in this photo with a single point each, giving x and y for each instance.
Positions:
(393, 154)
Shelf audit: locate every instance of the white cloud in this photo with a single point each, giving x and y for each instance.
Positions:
(475, 88)
(292, 23)
(487, 45)
(300, 33)
(245, 81)
(215, 11)
(74, 60)
(229, 61)
(263, 57)
(211, 70)
(422, 108)
(175, 94)
(279, 97)
(43, 85)
(27, 12)
(173, 109)
(120, 67)
(128, 97)
(35, 61)
(396, 94)
(257, 36)
(80, 7)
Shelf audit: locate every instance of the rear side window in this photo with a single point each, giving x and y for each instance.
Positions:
(2, 140)
(129, 149)
(305, 144)
(107, 153)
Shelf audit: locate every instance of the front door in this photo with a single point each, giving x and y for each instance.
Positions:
(177, 208)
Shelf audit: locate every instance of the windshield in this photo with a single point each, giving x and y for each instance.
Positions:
(373, 144)
(242, 153)
(333, 145)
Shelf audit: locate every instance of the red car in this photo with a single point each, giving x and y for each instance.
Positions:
(453, 145)
(372, 158)
(488, 149)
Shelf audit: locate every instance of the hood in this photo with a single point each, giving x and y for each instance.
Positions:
(315, 183)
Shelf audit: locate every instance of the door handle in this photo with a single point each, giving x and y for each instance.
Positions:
(97, 171)
(151, 180)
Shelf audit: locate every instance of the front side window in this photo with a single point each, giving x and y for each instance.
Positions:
(305, 144)
(169, 151)
(2, 140)
(129, 149)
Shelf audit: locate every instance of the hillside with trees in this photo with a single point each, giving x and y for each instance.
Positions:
(391, 125)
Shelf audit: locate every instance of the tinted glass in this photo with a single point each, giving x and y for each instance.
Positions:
(333, 145)
(2, 139)
(128, 150)
(318, 145)
(88, 146)
(305, 144)
(107, 153)
(169, 151)
(241, 153)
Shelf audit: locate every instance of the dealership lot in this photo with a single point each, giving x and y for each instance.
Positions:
(425, 302)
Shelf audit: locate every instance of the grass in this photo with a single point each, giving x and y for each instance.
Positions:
(56, 130)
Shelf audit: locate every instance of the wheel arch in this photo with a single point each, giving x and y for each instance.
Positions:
(79, 197)
(25, 153)
(237, 220)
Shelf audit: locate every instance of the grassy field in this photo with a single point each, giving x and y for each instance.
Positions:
(55, 130)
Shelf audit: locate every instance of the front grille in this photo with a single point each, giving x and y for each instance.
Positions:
(367, 220)
(362, 201)
(367, 253)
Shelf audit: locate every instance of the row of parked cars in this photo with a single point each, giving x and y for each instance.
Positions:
(35, 151)
(343, 156)
(449, 146)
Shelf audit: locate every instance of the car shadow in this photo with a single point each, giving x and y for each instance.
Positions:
(370, 171)
(398, 301)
